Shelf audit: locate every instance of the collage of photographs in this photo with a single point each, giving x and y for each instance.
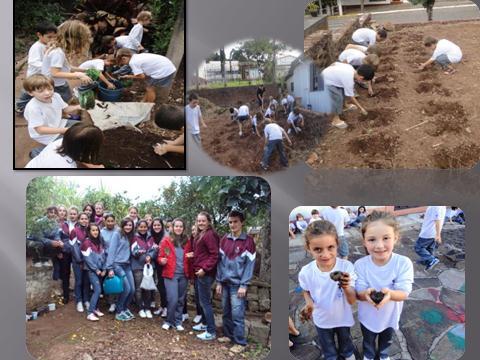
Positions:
(124, 264)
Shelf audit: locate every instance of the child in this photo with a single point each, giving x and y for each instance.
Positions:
(284, 102)
(158, 71)
(173, 256)
(273, 102)
(381, 271)
(107, 233)
(93, 252)
(82, 282)
(300, 223)
(99, 64)
(234, 272)
(260, 92)
(157, 234)
(243, 114)
(172, 118)
(339, 218)
(445, 54)
(270, 112)
(118, 263)
(144, 251)
(430, 236)
(340, 79)
(149, 219)
(315, 216)
(144, 18)
(295, 121)
(257, 117)
(199, 316)
(79, 147)
(98, 216)
(328, 302)
(44, 112)
(290, 103)
(133, 215)
(274, 141)
(367, 37)
(455, 214)
(233, 113)
(89, 210)
(73, 40)
(72, 218)
(193, 117)
(46, 34)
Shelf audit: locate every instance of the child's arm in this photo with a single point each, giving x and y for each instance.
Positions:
(355, 101)
(131, 76)
(365, 296)
(370, 88)
(200, 117)
(426, 64)
(438, 231)
(71, 108)
(306, 312)
(76, 75)
(105, 81)
(392, 295)
(286, 136)
(45, 130)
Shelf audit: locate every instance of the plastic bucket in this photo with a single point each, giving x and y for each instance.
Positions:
(51, 307)
(34, 315)
(105, 94)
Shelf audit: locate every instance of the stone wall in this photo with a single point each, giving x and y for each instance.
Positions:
(40, 288)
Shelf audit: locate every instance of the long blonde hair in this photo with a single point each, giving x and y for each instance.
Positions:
(74, 38)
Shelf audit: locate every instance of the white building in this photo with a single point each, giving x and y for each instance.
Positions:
(234, 70)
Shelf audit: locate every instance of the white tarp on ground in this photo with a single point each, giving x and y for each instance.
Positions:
(110, 115)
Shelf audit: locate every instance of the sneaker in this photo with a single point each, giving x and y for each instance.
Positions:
(289, 131)
(166, 326)
(142, 314)
(148, 314)
(197, 319)
(98, 313)
(111, 309)
(180, 328)
(237, 349)
(122, 317)
(432, 264)
(158, 311)
(129, 314)
(185, 317)
(164, 313)
(80, 307)
(240, 133)
(351, 357)
(206, 336)
(92, 317)
(199, 327)
(224, 339)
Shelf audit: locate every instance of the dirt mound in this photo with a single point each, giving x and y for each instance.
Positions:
(376, 118)
(385, 78)
(385, 67)
(386, 93)
(427, 76)
(461, 156)
(432, 87)
(448, 117)
(378, 143)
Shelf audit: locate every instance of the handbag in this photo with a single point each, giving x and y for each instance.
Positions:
(147, 281)
(113, 285)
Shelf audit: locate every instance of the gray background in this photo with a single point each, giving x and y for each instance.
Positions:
(211, 24)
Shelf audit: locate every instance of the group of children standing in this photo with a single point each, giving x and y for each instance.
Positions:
(98, 247)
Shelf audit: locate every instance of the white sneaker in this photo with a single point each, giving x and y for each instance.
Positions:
(148, 313)
(111, 309)
(87, 304)
(142, 314)
(152, 305)
(197, 319)
(240, 133)
(164, 312)
(80, 307)
(185, 317)
(179, 328)
(158, 311)
(92, 317)
(98, 313)
(166, 326)
(351, 357)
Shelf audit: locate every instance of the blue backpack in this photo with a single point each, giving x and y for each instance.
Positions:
(113, 285)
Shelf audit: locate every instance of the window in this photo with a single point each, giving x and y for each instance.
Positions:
(316, 80)
(291, 87)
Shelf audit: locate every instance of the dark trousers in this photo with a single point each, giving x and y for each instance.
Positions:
(271, 146)
(425, 248)
(205, 296)
(369, 340)
(61, 271)
(161, 287)
(326, 338)
(197, 302)
(82, 283)
(143, 298)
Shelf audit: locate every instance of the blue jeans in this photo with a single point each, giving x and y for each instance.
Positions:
(204, 294)
(97, 290)
(443, 61)
(82, 283)
(384, 342)
(271, 146)
(425, 248)
(343, 248)
(326, 338)
(176, 291)
(233, 314)
(197, 138)
(125, 298)
(197, 302)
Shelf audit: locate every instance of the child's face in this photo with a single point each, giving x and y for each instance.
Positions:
(193, 103)
(62, 213)
(299, 218)
(316, 216)
(110, 223)
(149, 220)
(98, 209)
(178, 228)
(83, 220)
(44, 95)
(47, 38)
(142, 228)
(157, 226)
(235, 225)
(124, 60)
(194, 230)
(73, 215)
(146, 22)
(128, 227)
(379, 239)
(94, 231)
(88, 210)
(323, 249)
(133, 213)
(52, 214)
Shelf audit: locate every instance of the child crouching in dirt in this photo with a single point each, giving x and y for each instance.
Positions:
(445, 54)
(99, 64)
(367, 37)
(356, 58)
(172, 118)
(243, 114)
(274, 141)
(258, 117)
(295, 121)
(339, 80)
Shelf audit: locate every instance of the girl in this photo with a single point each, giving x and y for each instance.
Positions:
(198, 318)
(72, 218)
(62, 218)
(385, 272)
(64, 258)
(205, 260)
(300, 223)
(93, 252)
(149, 219)
(88, 209)
(118, 263)
(361, 215)
(133, 214)
(144, 251)
(107, 233)
(173, 255)
(98, 217)
(82, 283)
(157, 234)
(73, 41)
(328, 302)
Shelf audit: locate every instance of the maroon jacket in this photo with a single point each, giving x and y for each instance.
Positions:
(205, 252)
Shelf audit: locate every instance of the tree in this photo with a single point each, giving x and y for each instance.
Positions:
(238, 55)
(222, 66)
(427, 4)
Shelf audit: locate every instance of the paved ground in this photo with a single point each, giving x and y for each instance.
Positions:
(432, 325)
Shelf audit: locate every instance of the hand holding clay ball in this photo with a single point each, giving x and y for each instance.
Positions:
(377, 296)
(338, 276)
(306, 313)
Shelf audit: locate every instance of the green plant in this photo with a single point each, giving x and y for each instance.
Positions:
(312, 6)
(93, 74)
(164, 14)
(28, 13)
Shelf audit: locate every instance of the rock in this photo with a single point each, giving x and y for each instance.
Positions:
(252, 297)
(179, 100)
(85, 356)
(253, 289)
(253, 306)
(312, 158)
(259, 331)
(264, 299)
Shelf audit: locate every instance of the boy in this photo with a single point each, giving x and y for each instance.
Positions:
(243, 114)
(367, 37)
(339, 80)
(99, 64)
(356, 58)
(158, 70)
(255, 119)
(272, 102)
(295, 121)
(445, 54)
(284, 102)
(170, 117)
(290, 103)
(233, 113)
(430, 236)
(270, 113)
(339, 218)
(44, 112)
(260, 92)
(234, 272)
(274, 140)
(46, 33)
(144, 18)
(315, 216)
(193, 116)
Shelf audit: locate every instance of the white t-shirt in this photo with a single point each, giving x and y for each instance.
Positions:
(338, 217)
(135, 35)
(49, 158)
(38, 113)
(301, 225)
(273, 132)
(35, 58)
(340, 75)
(234, 115)
(268, 112)
(152, 65)
(290, 99)
(243, 110)
(314, 219)
(192, 116)
(450, 213)
(353, 57)
(397, 274)
(123, 41)
(284, 101)
(273, 102)
(365, 35)
(453, 52)
(55, 59)
(331, 308)
(97, 64)
(432, 214)
(292, 117)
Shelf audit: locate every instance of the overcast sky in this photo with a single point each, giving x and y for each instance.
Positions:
(231, 46)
